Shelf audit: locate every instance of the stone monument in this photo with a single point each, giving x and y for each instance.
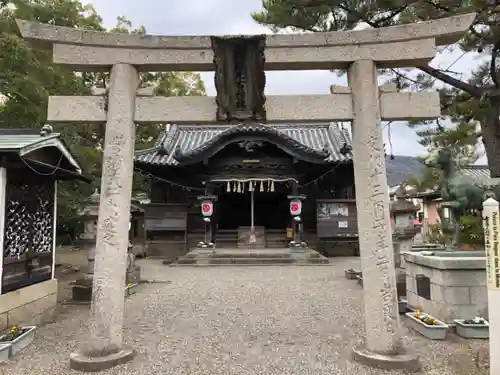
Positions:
(240, 97)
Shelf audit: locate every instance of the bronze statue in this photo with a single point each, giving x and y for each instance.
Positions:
(460, 193)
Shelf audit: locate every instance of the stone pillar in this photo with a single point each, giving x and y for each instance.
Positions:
(105, 346)
(383, 346)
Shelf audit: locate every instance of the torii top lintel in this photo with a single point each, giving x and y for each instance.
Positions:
(394, 46)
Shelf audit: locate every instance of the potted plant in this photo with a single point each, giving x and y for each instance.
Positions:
(4, 352)
(427, 325)
(475, 328)
(18, 338)
(351, 274)
(130, 289)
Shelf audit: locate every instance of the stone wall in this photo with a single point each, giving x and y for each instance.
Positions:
(34, 304)
(457, 284)
(337, 248)
(165, 250)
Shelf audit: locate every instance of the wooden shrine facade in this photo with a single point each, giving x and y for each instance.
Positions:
(230, 160)
(31, 163)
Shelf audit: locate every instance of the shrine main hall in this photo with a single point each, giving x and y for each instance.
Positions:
(252, 169)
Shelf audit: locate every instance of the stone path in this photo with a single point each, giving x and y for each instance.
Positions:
(239, 321)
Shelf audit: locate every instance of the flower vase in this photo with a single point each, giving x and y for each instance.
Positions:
(21, 341)
(433, 332)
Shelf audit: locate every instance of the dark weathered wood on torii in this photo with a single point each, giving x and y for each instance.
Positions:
(239, 77)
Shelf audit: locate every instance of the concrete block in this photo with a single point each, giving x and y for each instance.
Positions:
(437, 292)
(414, 269)
(478, 295)
(447, 260)
(46, 317)
(23, 296)
(412, 299)
(456, 295)
(460, 277)
(417, 302)
(411, 284)
(29, 312)
(3, 322)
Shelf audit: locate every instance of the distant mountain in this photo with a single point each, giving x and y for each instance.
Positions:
(401, 168)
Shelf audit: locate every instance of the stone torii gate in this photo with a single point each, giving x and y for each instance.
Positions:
(363, 103)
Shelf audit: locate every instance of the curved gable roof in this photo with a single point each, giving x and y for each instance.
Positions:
(187, 138)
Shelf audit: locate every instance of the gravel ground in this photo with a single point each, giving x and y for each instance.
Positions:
(239, 321)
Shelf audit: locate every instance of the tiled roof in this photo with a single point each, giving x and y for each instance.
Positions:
(477, 172)
(191, 137)
(15, 140)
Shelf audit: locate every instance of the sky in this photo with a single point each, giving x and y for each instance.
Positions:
(222, 17)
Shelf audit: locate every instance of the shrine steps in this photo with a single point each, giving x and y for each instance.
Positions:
(251, 257)
(276, 238)
(226, 238)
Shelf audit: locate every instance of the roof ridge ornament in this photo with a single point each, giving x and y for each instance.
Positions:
(46, 130)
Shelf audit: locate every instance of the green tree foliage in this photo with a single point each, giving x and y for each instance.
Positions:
(461, 139)
(466, 101)
(472, 232)
(28, 78)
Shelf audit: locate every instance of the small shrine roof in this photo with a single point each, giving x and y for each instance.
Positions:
(25, 141)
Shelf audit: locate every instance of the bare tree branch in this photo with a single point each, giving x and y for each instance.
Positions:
(448, 79)
(436, 73)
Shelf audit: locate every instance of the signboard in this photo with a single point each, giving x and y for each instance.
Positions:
(327, 211)
(336, 218)
(207, 208)
(165, 217)
(295, 207)
(491, 247)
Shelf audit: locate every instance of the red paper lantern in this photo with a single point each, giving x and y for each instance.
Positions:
(207, 208)
(295, 207)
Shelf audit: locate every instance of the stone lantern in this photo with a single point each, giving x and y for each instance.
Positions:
(82, 290)
(403, 213)
(90, 214)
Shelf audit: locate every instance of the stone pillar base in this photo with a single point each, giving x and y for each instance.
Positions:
(82, 291)
(405, 361)
(80, 362)
(401, 283)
